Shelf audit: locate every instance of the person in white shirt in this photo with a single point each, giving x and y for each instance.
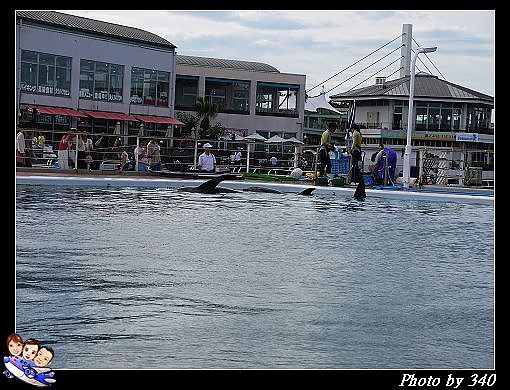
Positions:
(237, 157)
(207, 161)
(274, 161)
(20, 149)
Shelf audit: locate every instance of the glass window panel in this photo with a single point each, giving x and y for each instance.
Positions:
(421, 118)
(46, 78)
(149, 74)
(446, 118)
(136, 73)
(63, 81)
(434, 119)
(86, 85)
(116, 69)
(101, 86)
(86, 65)
(136, 92)
(63, 61)
(46, 59)
(101, 67)
(162, 94)
(28, 77)
(115, 88)
(28, 56)
(163, 76)
(149, 93)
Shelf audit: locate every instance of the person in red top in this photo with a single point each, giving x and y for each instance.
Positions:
(63, 151)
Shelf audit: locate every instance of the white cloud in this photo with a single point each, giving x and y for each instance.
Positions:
(320, 43)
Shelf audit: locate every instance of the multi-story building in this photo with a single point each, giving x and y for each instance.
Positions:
(253, 96)
(98, 76)
(101, 76)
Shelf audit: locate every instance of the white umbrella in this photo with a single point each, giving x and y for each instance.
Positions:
(255, 137)
(294, 140)
(275, 139)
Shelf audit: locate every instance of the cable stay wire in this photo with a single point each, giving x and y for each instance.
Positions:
(354, 63)
(372, 75)
(431, 61)
(373, 63)
(398, 70)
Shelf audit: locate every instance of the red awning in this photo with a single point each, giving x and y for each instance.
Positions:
(57, 111)
(110, 115)
(159, 119)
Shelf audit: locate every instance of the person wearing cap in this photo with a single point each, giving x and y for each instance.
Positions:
(325, 148)
(207, 161)
(355, 152)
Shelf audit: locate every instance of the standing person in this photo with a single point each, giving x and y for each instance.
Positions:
(237, 157)
(153, 154)
(81, 147)
(63, 151)
(274, 161)
(207, 161)
(143, 161)
(355, 153)
(325, 148)
(21, 159)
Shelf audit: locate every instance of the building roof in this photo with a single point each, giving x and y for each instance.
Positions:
(94, 27)
(208, 62)
(425, 86)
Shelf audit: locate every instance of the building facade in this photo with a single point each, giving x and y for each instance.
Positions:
(253, 96)
(450, 121)
(105, 75)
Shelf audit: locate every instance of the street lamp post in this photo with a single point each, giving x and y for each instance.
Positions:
(410, 115)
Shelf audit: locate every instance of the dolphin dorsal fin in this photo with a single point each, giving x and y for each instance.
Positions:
(212, 183)
(307, 191)
(360, 193)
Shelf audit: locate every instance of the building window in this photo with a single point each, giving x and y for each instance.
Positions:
(46, 74)
(150, 87)
(232, 96)
(277, 99)
(101, 81)
(186, 92)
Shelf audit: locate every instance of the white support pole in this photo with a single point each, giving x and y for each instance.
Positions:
(248, 158)
(76, 154)
(410, 115)
(136, 154)
(195, 158)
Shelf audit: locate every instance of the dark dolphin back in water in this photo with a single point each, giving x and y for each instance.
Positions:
(360, 190)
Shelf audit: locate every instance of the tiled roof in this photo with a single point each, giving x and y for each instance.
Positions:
(426, 85)
(91, 26)
(224, 64)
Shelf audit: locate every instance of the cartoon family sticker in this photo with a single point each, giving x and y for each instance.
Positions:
(29, 360)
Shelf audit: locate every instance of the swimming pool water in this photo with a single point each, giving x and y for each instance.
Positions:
(158, 278)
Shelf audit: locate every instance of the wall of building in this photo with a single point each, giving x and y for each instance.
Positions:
(52, 41)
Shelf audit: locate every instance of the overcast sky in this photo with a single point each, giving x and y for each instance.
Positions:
(320, 43)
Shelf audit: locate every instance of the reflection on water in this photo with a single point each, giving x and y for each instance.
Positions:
(252, 280)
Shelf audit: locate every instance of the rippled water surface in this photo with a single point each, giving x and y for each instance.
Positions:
(157, 278)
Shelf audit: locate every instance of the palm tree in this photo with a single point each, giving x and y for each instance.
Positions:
(206, 111)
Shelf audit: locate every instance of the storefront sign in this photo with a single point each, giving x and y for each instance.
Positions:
(467, 137)
(434, 135)
(393, 134)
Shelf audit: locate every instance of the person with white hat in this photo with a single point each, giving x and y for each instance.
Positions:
(207, 161)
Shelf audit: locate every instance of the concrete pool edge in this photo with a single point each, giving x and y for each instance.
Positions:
(109, 181)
